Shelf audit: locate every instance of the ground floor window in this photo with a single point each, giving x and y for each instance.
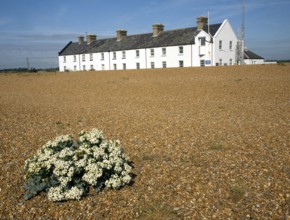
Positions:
(202, 63)
(124, 66)
(164, 64)
(115, 66)
(84, 67)
(180, 63)
(220, 62)
(103, 66)
(231, 62)
(152, 65)
(75, 68)
(92, 67)
(137, 66)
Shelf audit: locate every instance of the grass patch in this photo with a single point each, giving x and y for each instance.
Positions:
(217, 146)
(236, 193)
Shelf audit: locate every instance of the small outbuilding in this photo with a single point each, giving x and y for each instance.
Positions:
(252, 58)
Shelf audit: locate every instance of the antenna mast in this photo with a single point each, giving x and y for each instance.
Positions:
(243, 35)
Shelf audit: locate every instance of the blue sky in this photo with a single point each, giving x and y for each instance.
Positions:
(40, 29)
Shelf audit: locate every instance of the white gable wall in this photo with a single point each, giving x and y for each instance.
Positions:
(225, 35)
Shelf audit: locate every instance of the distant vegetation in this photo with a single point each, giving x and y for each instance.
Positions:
(25, 70)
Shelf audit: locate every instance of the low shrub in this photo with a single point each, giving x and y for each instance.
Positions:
(65, 168)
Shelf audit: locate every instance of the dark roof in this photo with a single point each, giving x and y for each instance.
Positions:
(251, 55)
(176, 37)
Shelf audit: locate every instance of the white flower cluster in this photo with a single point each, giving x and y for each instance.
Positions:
(93, 160)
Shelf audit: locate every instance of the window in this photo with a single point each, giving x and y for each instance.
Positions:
(84, 57)
(64, 68)
(91, 57)
(231, 45)
(164, 65)
(92, 67)
(137, 53)
(84, 67)
(202, 63)
(137, 66)
(64, 59)
(180, 50)
(180, 63)
(115, 66)
(102, 56)
(114, 56)
(152, 65)
(202, 41)
(164, 51)
(152, 52)
(220, 45)
(75, 68)
(220, 62)
(124, 66)
(103, 66)
(75, 58)
(123, 54)
(231, 62)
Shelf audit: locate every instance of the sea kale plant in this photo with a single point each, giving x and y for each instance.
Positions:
(65, 168)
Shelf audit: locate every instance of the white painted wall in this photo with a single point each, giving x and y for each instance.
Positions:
(254, 61)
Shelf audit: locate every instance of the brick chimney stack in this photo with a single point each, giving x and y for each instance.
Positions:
(121, 34)
(201, 22)
(157, 29)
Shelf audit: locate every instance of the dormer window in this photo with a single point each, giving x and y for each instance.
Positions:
(202, 41)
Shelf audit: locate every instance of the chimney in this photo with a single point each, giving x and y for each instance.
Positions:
(81, 39)
(121, 34)
(201, 22)
(91, 38)
(157, 29)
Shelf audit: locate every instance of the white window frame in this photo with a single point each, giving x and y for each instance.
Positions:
(164, 64)
(164, 51)
(123, 54)
(152, 52)
(137, 53)
(180, 50)
(181, 63)
(220, 45)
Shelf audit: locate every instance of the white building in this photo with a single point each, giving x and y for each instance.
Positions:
(252, 58)
(204, 45)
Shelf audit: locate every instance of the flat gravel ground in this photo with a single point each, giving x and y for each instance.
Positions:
(206, 143)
